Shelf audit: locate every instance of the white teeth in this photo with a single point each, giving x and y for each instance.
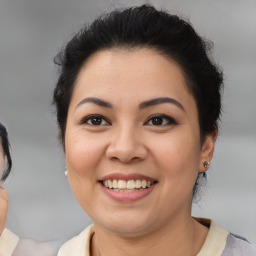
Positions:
(105, 182)
(121, 184)
(144, 184)
(127, 186)
(110, 184)
(130, 184)
(126, 190)
(138, 184)
(115, 184)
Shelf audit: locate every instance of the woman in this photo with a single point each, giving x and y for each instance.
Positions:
(138, 103)
(8, 240)
(10, 244)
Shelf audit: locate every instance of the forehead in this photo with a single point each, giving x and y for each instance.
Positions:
(141, 70)
(138, 63)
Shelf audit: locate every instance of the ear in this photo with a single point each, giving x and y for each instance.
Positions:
(207, 150)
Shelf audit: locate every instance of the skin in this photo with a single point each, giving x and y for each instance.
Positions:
(129, 142)
(3, 195)
(25, 246)
(2, 160)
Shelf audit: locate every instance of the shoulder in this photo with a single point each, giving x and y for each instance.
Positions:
(238, 246)
(78, 245)
(30, 247)
(215, 241)
(220, 242)
(8, 242)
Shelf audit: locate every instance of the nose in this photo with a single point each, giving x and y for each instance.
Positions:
(126, 146)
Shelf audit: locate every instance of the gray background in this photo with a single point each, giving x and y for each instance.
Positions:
(32, 31)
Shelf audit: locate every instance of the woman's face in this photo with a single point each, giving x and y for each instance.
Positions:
(132, 124)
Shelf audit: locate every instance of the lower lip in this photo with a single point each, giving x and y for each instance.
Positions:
(127, 196)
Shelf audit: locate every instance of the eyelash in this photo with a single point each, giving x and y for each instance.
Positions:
(90, 118)
(169, 120)
(164, 120)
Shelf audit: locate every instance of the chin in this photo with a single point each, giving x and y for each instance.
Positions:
(126, 225)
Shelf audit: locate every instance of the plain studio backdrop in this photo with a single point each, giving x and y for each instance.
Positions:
(32, 31)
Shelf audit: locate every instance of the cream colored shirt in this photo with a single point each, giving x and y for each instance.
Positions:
(11, 245)
(219, 242)
(214, 244)
(8, 242)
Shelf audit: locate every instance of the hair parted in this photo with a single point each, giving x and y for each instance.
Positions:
(6, 150)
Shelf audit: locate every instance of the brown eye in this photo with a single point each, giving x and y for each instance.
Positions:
(157, 121)
(95, 120)
(161, 120)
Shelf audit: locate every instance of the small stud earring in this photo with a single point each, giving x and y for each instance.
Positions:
(206, 163)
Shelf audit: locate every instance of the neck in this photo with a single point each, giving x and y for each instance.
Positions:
(181, 238)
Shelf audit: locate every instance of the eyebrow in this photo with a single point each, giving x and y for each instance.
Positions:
(96, 101)
(162, 100)
(142, 105)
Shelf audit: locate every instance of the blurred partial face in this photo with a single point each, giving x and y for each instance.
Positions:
(2, 160)
(132, 141)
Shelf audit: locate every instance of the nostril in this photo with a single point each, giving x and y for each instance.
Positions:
(126, 153)
(126, 160)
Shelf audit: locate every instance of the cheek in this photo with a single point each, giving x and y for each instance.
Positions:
(83, 153)
(82, 159)
(179, 156)
(178, 161)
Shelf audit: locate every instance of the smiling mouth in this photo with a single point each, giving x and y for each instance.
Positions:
(127, 186)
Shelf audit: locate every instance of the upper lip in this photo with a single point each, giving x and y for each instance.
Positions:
(132, 176)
